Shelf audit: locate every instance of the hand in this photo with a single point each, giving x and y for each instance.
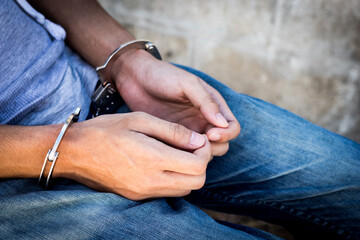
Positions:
(172, 94)
(132, 155)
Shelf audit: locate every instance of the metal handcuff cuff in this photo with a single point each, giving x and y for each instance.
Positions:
(106, 99)
(52, 154)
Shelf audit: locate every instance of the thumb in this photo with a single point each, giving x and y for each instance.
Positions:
(171, 133)
(205, 102)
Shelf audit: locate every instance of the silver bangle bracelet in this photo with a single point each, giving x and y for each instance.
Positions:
(52, 154)
(104, 71)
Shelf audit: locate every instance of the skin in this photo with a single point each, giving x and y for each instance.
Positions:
(161, 149)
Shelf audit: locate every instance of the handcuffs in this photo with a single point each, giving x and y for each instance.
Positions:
(106, 99)
(53, 154)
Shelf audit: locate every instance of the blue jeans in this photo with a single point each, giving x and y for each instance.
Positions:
(281, 168)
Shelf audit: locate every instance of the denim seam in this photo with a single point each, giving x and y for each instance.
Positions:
(292, 211)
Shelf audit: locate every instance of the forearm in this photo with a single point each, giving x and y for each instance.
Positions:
(90, 30)
(23, 150)
(117, 153)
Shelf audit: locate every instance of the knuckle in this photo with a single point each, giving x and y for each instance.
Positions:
(127, 122)
(139, 116)
(177, 131)
(224, 149)
(200, 167)
(196, 80)
(200, 183)
(238, 128)
(187, 192)
(211, 101)
(235, 129)
(207, 97)
(225, 138)
(134, 196)
(141, 188)
(184, 193)
(132, 120)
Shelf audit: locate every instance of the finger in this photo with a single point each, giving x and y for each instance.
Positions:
(167, 158)
(224, 108)
(173, 193)
(223, 135)
(190, 163)
(171, 133)
(184, 181)
(154, 194)
(219, 149)
(205, 102)
(166, 193)
(205, 151)
(213, 136)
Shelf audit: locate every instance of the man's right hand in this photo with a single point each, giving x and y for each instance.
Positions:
(135, 155)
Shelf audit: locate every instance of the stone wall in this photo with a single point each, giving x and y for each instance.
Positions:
(300, 55)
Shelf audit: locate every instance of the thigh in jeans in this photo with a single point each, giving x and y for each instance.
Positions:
(284, 169)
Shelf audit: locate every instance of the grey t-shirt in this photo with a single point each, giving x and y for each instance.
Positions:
(41, 80)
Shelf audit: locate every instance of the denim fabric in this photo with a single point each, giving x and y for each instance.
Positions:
(281, 168)
(285, 170)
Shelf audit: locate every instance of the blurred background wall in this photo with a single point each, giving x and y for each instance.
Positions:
(301, 55)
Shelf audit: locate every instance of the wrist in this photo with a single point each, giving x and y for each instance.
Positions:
(31, 143)
(53, 153)
(69, 153)
(129, 65)
(127, 62)
(104, 71)
(78, 148)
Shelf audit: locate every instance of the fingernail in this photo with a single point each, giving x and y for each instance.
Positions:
(222, 120)
(197, 140)
(214, 137)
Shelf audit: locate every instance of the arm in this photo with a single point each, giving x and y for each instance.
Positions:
(117, 153)
(137, 75)
(20, 157)
(90, 30)
(95, 35)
